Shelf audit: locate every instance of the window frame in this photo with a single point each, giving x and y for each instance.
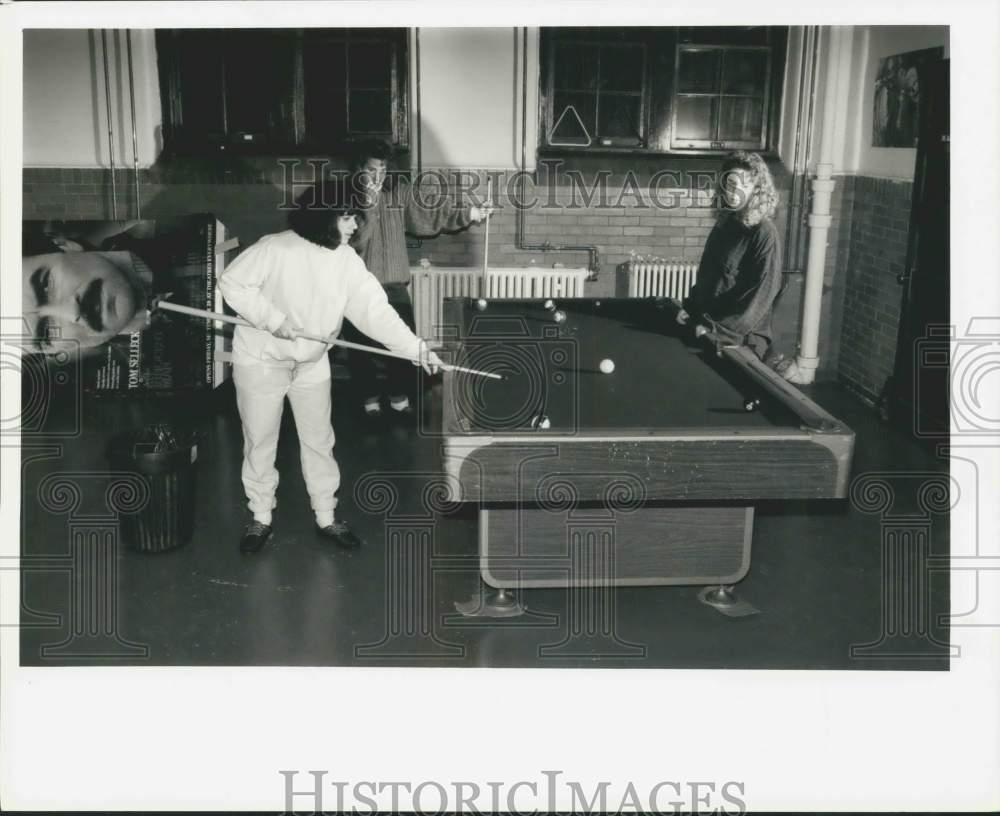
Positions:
(643, 93)
(659, 92)
(179, 140)
(721, 144)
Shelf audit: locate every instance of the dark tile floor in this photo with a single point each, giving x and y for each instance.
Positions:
(821, 576)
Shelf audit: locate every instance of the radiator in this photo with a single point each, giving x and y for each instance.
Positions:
(432, 284)
(661, 279)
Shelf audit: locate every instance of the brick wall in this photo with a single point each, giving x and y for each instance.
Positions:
(875, 254)
(247, 197)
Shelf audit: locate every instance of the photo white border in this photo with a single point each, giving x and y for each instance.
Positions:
(210, 739)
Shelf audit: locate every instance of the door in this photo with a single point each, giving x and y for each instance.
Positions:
(919, 390)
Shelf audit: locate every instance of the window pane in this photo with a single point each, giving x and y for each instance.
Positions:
(573, 117)
(741, 118)
(257, 89)
(575, 67)
(696, 118)
(370, 112)
(324, 64)
(370, 65)
(699, 72)
(201, 85)
(618, 117)
(744, 72)
(622, 68)
(328, 121)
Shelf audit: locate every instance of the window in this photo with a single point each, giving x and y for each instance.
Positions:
(661, 89)
(597, 93)
(262, 90)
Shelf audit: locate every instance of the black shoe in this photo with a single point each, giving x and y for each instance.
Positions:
(374, 415)
(403, 416)
(340, 534)
(255, 536)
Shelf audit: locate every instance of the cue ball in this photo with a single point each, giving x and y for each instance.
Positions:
(481, 304)
(541, 422)
(607, 366)
(559, 316)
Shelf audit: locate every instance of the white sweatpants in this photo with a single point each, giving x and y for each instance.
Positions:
(260, 396)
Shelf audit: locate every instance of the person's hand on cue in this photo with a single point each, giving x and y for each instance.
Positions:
(428, 359)
(286, 331)
(479, 214)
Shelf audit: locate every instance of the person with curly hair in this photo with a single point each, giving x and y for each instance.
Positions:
(739, 276)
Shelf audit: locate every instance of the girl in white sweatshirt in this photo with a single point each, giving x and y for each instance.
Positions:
(306, 279)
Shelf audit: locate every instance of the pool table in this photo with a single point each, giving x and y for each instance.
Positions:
(642, 476)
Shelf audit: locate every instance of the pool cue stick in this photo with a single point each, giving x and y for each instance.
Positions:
(489, 201)
(239, 321)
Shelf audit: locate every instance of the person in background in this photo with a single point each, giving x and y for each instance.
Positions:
(391, 211)
(740, 276)
(305, 279)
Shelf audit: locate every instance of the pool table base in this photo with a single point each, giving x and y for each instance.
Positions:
(525, 547)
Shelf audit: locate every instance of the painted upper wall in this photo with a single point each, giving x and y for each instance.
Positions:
(470, 96)
(871, 44)
(65, 120)
(469, 99)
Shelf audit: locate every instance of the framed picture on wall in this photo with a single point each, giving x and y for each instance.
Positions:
(897, 98)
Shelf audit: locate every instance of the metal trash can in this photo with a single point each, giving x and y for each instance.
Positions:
(166, 461)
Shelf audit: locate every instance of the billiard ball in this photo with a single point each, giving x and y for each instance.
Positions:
(607, 366)
(550, 305)
(559, 316)
(540, 422)
(481, 304)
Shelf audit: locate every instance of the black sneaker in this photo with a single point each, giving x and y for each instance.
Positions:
(340, 534)
(255, 536)
(374, 414)
(405, 416)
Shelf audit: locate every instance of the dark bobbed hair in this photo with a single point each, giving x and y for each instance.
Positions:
(318, 208)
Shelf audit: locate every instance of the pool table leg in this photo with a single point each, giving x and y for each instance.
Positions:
(724, 599)
(489, 603)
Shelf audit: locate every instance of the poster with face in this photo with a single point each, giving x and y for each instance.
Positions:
(87, 288)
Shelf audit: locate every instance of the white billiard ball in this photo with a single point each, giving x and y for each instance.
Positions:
(559, 316)
(481, 304)
(607, 366)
